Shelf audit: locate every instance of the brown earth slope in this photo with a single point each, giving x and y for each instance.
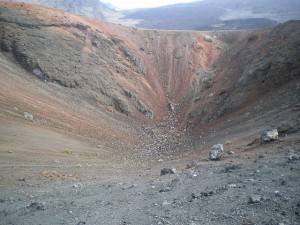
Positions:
(106, 97)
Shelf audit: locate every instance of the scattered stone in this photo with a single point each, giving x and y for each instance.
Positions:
(81, 222)
(284, 126)
(208, 38)
(22, 179)
(215, 152)
(171, 106)
(178, 56)
(167, 171)
(192, 174)
(227, 142)
(167, 189)
(10, 152)
(11, 200)
(293, 157)
(231, 185)
(230, 152)
(166, 203)
(207, 193)
(194, 196)
(77, 185)
(283, 182)
(229, 169)
(269, 135)
(191, 165)
(128, 93)
(254, 199)
(28, 116)
(37, 205)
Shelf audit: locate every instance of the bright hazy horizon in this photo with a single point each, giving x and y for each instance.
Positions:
(135, 4)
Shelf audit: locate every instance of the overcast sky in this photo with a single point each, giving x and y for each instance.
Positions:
(134, 4)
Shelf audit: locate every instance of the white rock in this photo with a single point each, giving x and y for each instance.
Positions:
(254, 199)
(28, 116)
(208, 38)
(293, 157)
(269, 135)
(231, 185)
(166, 203)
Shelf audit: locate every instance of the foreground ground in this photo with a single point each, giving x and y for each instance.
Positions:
(262, 191)
(257, 184)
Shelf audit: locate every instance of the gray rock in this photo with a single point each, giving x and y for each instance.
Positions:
(167, 189)
(207, 193)
(284, 126)
(208, 38)
(37, 205)
(269, 135)
(141, 106)
(254, 199)
(178, 56)
(167, 171)
(292, 157)
(28, 116)
(215, 152)
(121, 105)
(192, 174)
(171, 106)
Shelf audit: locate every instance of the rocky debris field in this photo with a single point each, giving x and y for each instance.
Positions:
(261, 191)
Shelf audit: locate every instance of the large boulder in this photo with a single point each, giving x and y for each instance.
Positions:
(208, 38)
(269, 135)
(216, 151)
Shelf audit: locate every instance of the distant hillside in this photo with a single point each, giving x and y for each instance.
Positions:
(91, 8)
(218, 14)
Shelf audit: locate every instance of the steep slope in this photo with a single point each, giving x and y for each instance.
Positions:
(262, 65)
(116, 97)
(135, 71)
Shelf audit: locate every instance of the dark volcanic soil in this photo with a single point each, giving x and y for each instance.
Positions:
(90, 112)
(212, 194)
